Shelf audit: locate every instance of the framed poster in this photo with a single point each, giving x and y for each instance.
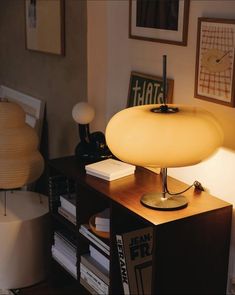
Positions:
(163, 21)
(214, 73)
(146, 89)
(44, 22)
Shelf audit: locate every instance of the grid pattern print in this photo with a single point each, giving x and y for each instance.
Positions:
(216, 84)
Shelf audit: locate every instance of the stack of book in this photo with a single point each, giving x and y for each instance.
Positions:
(94, 272)
(102, 220)
(68, 207)
(85, 230)
(64, 252)
(110, 169)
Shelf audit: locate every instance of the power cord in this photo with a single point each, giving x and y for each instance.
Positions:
(198, 187)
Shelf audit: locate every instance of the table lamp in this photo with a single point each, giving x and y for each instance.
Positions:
(163, 136)
(23, 214)
(92, 146)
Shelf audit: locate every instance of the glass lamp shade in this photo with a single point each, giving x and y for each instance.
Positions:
(141, 137)
(20, 161)
(83, 113)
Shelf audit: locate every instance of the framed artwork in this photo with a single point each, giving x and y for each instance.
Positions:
(44, 23)
(164, 21)
(214, 74)
(146, 89)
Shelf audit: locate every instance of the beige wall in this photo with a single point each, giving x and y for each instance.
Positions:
(58, 80)
(119, 55)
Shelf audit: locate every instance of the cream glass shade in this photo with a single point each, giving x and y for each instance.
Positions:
(141, 137)
(20, 161)
(83, 113)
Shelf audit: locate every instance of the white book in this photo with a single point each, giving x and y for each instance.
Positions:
(103, 217)
(68, 202)
(95, 267)
(60, 237)
(105, 228)
(66, 214)
(64, 261)
(94, 241)
(110, 169)
(97, 282)
(71, 256)
(99, 257)
(85, 277)
(87, 286)
(85, 230)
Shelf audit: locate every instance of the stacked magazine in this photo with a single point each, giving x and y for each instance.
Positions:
(68, 207)
(94, 271)
(64, 252)
(85, 230)
(102, 220)
(110, 169)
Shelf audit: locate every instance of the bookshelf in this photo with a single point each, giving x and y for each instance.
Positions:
(190, 246)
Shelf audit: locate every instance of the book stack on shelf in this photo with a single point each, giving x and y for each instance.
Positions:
(94, 270)
(101, 243)
(64, 252)
(102, 221)
(94, 266)
(68, 207)
(110, 169)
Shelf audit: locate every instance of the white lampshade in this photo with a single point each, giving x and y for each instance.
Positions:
(163, 136)
(24, 235)
(83, 113)
(141, 137)
(20, 161)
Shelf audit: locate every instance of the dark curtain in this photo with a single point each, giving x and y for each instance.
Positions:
(158, 14)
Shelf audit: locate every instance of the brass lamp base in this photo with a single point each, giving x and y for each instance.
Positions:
(164, 201)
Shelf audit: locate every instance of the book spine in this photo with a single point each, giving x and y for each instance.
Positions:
(64, 237)
(85, 277)
(67, 215)
(100, 258)
(70, 256)
(94, 241)
(68, 206)
(65, 243)
(93, 266)
(98, 284)
(123, 265)
(87, 286)
(64, 261)
(102, 221)
(105, 228)
(85, 228)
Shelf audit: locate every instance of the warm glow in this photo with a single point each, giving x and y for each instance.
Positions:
(140, 137)
(20, 161)
(83, 113)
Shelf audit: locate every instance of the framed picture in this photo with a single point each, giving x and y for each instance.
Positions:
(146, 89)
(163, 21)
(214, 74)
(44, 22)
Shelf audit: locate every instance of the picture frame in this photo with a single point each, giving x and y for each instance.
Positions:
(148, 89)
(44, 26)
(214, 71)
(161, 21)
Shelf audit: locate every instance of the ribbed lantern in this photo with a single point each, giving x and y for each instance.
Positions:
(20, 161)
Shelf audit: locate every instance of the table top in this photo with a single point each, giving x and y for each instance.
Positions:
(128, 190)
